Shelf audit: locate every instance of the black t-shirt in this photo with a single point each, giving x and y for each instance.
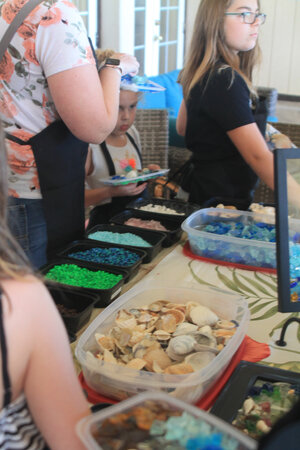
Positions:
(216, 105)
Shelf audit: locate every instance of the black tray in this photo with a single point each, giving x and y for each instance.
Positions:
(243, 378)
(87, 244)
(155, 239)
(82, 302)
(177, 205)
(104, 296)
(173, 224)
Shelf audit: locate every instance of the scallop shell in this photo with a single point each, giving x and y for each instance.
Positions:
(124, 337)
(226, 324)
(185, 328)
(167, 323)
(136, 363)
(109, 357)
(199, 360)
(182, 345)
(179, 315)
(201, 315)
(145, 317)
(157, 306)
(158, 355)
(156, 367)
(179, 369)
(162, 335)
(125, 319)
(104, 342)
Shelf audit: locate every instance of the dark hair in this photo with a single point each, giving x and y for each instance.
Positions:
(13, 262)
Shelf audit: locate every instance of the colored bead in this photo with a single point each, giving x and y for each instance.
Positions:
(119, 238)
(113, 256)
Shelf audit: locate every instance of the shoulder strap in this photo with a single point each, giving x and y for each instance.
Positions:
(136, 147)
(18, 20)
(5, 376)
(108, 159)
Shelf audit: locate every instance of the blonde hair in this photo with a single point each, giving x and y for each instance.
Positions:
(208, 46)
(13, 262)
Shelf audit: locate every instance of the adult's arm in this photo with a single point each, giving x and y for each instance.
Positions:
(181, 119)
(88, 103)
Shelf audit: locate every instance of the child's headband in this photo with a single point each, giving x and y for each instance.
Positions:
(139, 84)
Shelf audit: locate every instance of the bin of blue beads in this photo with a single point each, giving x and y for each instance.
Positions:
(235, 236)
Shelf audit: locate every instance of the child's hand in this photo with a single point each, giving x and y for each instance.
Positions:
(153, 167)
(128, 190)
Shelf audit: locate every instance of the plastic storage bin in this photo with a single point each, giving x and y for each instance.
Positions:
(82, 302)
(226, 248)
(173, 225)
(105, 296)
(90, 426)
(121, 382)
(181, 207)
(80, 246)
(155, 239)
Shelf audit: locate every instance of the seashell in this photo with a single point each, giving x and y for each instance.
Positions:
(185, 328)
(109, 357)
(145, 317)
(156, 367)
(136, 337)
(124, 359)
(90, 357)
(136, 363)
(182, 345)
(157, 306)
(188, 307)
(205, 339)
(158, 355)
(104, 342)
(139, 350)
(179, 369)
(179, 315)
(125, 320)
(162, 335)
(199, 360)
(205, 348)
(226, 324)
(167, 323)
(224, 333)
(135, 312)
(124, 337)
(206, 329)
(151, 323)
(248, 405)
(201, 315)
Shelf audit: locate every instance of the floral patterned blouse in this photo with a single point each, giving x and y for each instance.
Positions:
(50, 40)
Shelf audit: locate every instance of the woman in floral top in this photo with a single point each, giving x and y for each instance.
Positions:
(47, 73)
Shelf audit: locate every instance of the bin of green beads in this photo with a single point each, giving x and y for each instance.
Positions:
(86, 277)
(106, 255)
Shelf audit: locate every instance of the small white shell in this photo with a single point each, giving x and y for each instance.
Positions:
(182, 345)
(185, 328)
(199, 360)
(201, 315)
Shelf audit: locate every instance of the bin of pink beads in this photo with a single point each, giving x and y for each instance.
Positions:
(235, 236)
(155, 420)
(176, 340)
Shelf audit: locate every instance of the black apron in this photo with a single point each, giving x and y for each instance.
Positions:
(60, 159)
(102, 213)
(243, 179)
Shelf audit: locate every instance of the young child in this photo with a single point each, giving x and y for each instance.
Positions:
(121, 147)
(221, 115)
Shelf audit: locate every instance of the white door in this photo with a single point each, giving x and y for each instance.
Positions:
(159, 35)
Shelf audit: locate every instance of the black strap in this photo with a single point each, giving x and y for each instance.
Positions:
(5, 376)
(108, 158)
(15, 24)
(13, 138)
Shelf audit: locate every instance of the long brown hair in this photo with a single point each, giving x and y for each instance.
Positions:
(13, 262)
(208, 46)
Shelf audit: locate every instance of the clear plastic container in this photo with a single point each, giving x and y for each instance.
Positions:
(87, 428)
(250, 252)
(120, 382)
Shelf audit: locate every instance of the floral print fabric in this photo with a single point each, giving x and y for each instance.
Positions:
(50, 40)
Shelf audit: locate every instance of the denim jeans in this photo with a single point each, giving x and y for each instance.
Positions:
(27, 223)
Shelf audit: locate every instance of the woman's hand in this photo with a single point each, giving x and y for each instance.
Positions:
(128, 63)
(130, 189)
(153, 167)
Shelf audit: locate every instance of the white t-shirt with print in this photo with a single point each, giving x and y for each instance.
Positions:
(52, 39)
(100, 171)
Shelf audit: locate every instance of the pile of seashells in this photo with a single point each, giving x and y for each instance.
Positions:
(165, 337)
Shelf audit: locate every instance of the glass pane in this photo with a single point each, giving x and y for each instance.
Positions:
(139, 38)
(173, 25)
(172, 57)
(163, 25)
(162, 59)
(82, 5)
(140, 3)
(140, 56)
(174, 2)
(164, 3)
(85, 21)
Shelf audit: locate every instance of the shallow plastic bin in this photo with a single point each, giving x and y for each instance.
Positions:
(121, 382)
(155, 239)
(172, 224)
(82, 302)
(184, 208)
(250, 252)
(88, 427)
(105, 296)
(79, 246)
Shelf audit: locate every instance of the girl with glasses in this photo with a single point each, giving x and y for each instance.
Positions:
(221, 116)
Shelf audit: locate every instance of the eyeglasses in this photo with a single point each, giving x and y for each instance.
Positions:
(249, 17)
